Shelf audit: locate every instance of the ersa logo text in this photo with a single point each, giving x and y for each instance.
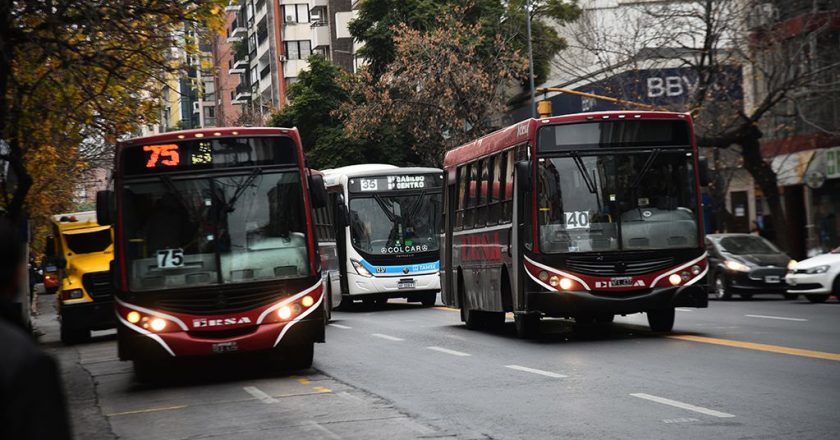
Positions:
(619, 282)
(199, 323)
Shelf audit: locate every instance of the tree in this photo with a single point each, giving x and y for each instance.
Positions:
(707, 38)
(442, 88)
(314, 103)
(378, 21)
(73, 70)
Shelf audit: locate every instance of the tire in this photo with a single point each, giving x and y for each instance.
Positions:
(328, 305)
(527, 325)
(380, 301)
(661, 320)
(835, 288)
(604, 319)
(721, 292)
(429, 299)
(299, 357)
(746, 296)
(493, 320)
(791, 296)
(814, 298)
(74, 336)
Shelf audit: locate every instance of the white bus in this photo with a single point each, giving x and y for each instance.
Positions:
(379, 235)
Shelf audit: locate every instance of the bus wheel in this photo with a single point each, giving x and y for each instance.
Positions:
(74, 336)
(429, 299)
(298, 357)
(493, 320)
(661, 320)
(527, 325)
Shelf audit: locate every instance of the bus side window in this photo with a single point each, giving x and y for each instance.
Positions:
(460, 202)
(483, 192)
(507, 199)
(472, 190)
(495, 190)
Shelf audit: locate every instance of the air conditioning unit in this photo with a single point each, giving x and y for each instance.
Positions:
(290, 19)
(196, 107)
(282, 58)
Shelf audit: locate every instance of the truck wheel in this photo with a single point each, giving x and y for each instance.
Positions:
(814, 298)
(661, 320)
(527, 325)
(429, 299)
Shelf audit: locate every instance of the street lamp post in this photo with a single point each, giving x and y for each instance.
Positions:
(530, 59)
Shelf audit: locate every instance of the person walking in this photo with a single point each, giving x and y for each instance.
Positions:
(32, 404)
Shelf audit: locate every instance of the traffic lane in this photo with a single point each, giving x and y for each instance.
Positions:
(604, 373)
(794, 324)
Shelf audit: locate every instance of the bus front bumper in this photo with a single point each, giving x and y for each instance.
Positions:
(261, 338)
(392, 286)
(575, 303)
(92, 315)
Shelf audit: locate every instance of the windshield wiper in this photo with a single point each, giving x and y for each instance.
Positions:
(582, 168)
(645, 168)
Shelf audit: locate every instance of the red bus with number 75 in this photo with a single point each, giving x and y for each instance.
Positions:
(214, 246)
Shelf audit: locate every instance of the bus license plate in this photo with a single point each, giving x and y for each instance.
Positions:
(406, 284)
(621, 281)
(225, 347)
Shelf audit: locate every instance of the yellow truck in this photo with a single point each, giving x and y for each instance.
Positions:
(82, 250)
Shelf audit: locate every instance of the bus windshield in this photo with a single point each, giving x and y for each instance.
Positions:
(217, 230)
(383, 224)
(590, 202)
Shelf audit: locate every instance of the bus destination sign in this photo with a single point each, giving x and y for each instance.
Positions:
(395, 183)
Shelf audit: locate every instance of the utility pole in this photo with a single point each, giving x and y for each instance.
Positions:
(530, 60)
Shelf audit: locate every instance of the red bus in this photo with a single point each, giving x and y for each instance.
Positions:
(214, 246)
(582, 216)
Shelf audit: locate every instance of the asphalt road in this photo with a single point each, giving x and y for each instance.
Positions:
(763, 368)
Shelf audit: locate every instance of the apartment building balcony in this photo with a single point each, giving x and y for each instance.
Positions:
(233, 6)
(241, 95)
(320, 36)
(238, 33)
(292, 68)
(239, 66)
(318, 4)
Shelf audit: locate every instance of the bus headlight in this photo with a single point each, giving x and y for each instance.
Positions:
(360, 269)
(157, 324)
(695, 270)
(133, 317)
(307, 301)
(284, 312)
(560, 282)
(675, 279)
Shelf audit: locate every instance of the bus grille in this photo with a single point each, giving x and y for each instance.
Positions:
(218, 302)
(591, 266)
(98, 285)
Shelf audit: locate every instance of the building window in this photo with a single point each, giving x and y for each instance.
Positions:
(297, 13)
(298, 50)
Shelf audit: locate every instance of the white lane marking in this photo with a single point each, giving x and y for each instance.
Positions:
(448, 351)
(388, 337)
(345, 327)
(535, 371)
(322, 429)
(781, 318)
(261, 396)
(683, 309)
(683, 405)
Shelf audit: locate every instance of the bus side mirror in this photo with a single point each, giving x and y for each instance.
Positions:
(104, 208)
(317, 191)
(523, 176)
(703, 171)
(342, 216)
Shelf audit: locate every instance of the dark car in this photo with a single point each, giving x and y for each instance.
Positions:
(745, 264)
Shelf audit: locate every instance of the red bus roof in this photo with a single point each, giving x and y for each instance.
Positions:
(174, 136)
(526, 130)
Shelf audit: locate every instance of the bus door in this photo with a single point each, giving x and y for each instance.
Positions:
(341, 228)
(447, 291)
